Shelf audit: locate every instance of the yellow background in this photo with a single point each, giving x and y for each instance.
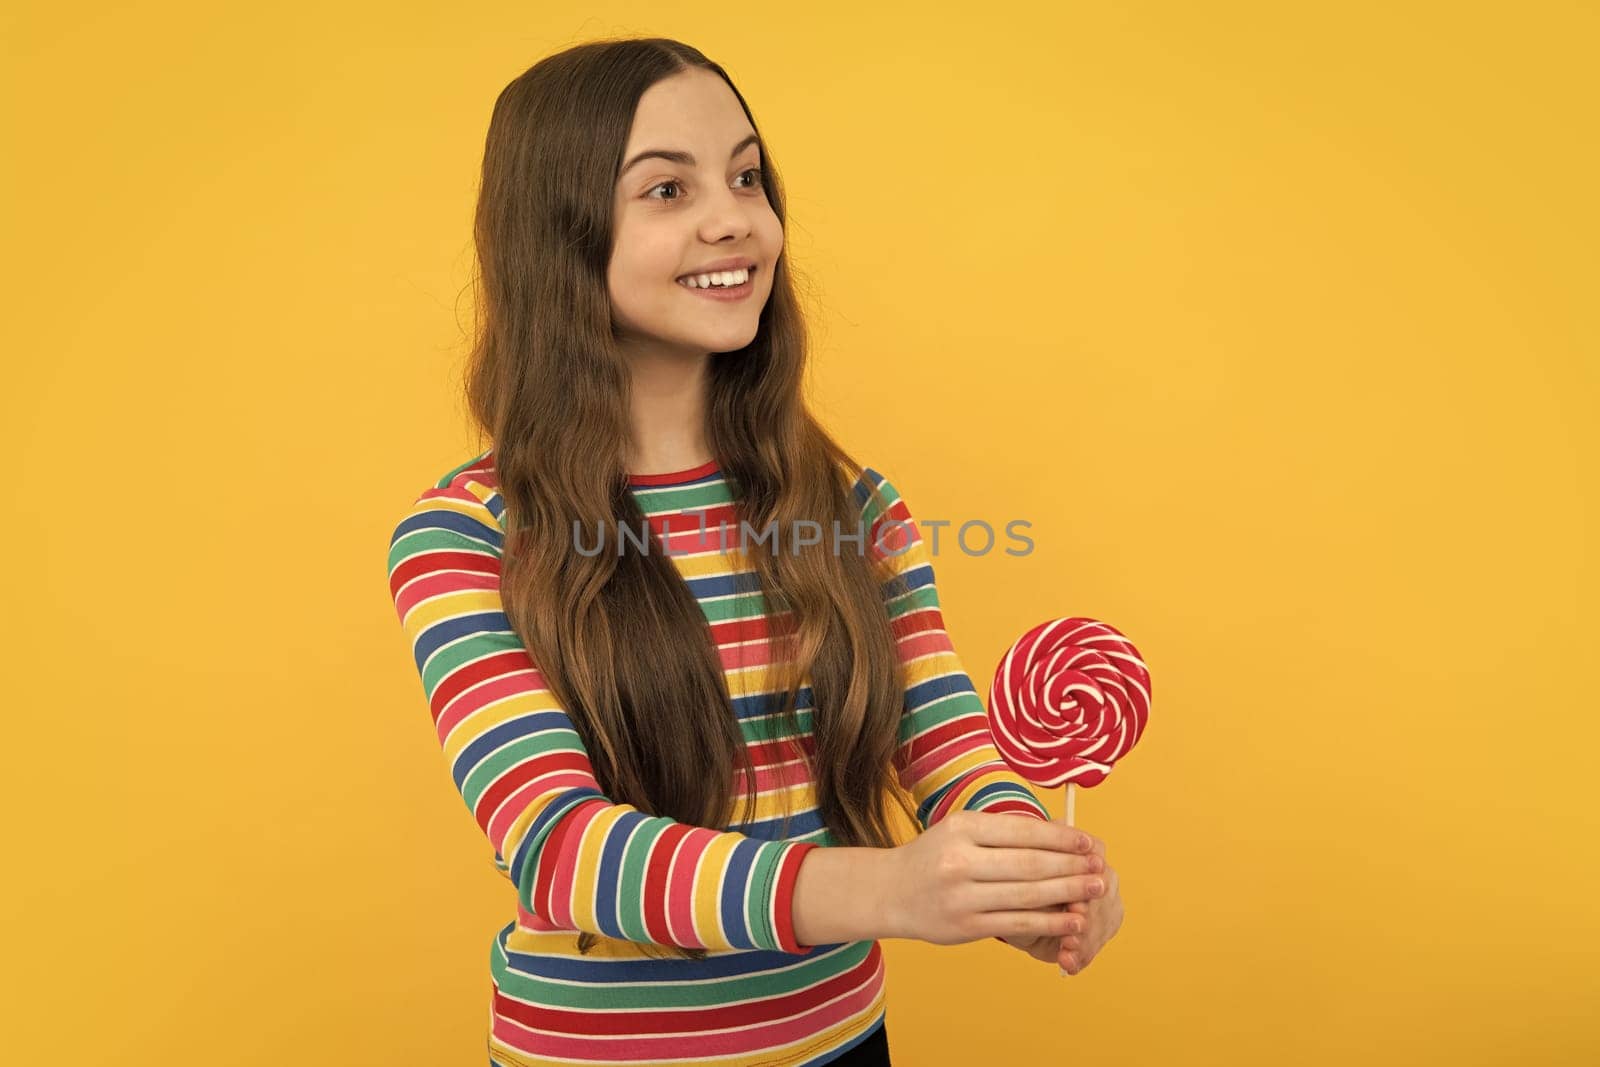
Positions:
(1277, 323)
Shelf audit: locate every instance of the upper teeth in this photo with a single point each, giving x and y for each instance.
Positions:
(721, 277)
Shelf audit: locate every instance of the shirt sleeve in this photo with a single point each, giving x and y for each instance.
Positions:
(947, 750)
(578, 860)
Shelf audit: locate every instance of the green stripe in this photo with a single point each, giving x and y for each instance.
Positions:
(530, 746)
(634, 861)
(461, 650)
(697, 994)
(737, 606)
(681, 497)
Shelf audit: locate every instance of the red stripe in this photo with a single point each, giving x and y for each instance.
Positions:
(681, 897)
(512, 665)
(522, 774)
(554, 847)
(688, 474)
(425, 563)
(655, 882)
(783, 902)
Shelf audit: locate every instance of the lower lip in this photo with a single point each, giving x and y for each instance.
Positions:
(728, 293)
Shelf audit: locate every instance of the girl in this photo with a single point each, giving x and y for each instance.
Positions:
(624, 617)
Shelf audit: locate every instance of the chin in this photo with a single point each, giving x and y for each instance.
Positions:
(727, 340)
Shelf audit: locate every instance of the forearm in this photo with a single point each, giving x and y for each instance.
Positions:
(845, 894)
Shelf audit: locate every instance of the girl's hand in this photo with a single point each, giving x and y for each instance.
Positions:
(977, 874)
(1099, 919)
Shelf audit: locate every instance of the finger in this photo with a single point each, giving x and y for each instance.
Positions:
(1046, 894)
(1073, 927)
(1044, 952)
(995, 829)
(1003, 864)
(1097, 845)
(1027, 925)
(1069, 930)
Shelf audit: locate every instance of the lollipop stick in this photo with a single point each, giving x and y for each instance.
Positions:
(1060, 968)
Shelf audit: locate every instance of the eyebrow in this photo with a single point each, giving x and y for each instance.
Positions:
(685, 158)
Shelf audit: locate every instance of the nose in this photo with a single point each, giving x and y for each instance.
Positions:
(727, 216)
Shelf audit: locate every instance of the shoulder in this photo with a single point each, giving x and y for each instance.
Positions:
(475, 476)
(878, 496)
(466, 497)
(472, 481)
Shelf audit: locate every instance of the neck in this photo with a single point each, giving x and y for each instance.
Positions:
(667, 411)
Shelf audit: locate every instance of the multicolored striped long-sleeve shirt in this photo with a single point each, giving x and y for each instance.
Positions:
(580, 862)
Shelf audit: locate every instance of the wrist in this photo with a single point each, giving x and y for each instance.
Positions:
(884, 891)
(848, 893)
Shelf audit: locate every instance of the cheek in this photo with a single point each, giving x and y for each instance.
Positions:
(771, 230)
(632, 263)
(640, 252)
(638, 271)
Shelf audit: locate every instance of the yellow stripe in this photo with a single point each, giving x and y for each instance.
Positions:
(708, 893)
(712, 565)
(585, 873)
(425, 613)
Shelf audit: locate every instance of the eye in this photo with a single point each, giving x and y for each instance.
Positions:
(673, 182)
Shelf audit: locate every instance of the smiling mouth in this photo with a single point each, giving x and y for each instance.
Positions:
(750, 274)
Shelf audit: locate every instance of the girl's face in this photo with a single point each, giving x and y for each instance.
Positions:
(689, 196)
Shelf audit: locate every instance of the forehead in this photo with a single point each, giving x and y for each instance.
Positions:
(692, 110)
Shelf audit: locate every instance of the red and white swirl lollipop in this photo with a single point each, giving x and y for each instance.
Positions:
(1069, 699)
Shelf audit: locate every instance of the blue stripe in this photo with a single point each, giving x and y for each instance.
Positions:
(610, 874)
(995, 790)
(736, 894)
(923, 693)
(601, 972)
(484, 746)
(442, 518)
(479, 624)
(540, 829)
(714, 585)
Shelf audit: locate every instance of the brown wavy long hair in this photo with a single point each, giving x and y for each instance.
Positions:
(620, 639)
